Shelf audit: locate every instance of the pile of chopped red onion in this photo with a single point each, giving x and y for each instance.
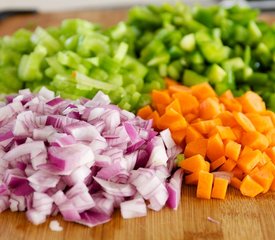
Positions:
(82, 159)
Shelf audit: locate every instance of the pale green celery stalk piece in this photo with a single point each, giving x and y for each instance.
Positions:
(86, 83)
(29, 67)
(42, 37)
(121, 51)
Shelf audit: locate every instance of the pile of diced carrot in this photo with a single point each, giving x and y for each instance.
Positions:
(226, 140)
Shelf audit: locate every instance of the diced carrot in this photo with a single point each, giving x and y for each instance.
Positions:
(228, 166)
(175, 104)
(252, 102)
(271, 153)
(161, 108)
(161, 97)
(255, 140)
(215, 148)
(235, 182)
(249, 160)
(178, 136)
(244, 121)
(205, 183)
(235, 135)
(232, 150)
(272, 187)
(271, 115)
(195, 147)
(155, 116)
(192, 179)
(226, 133)
(219, 188)
(269, 166)
(261, 123)
(203, 91)
(245, 150)
(271, 136)
(170, 82)
(188, 102)
(193, 164)
(190, 117)
(209, 109)
(217, 163)
(207, 166)
(264, 160)
(238, 173)
(264, 177)
(206, 126)
(178, 89)
(250, 187)
(238, 132)
(227, 95)
(231, 104)
(172, 120)
(192, 134)
(228, 119)
(145, 112)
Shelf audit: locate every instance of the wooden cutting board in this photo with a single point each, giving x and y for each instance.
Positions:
(236, 218)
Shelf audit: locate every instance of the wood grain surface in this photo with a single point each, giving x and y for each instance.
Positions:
(238, 218)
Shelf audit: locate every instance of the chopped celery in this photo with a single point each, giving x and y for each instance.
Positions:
(29, 67)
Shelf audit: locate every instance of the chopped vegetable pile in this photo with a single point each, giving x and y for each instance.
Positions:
(233, 138)
(82, 159)
(85, 157)
(229, 48)
(75, 59)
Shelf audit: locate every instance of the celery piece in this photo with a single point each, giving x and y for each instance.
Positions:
(56, 66)
(69, 59)
(29, 67)
(21, 41)
(121, 51)
(191, 78)
(188, 42)
(9, 78)
(109, 64)
(216, 74)
(93, 44)
(70, 43)
(84, 82)
(70, 27)
(42, 37)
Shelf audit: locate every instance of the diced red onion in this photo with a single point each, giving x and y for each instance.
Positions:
(174, 189)
(133, 208)
(82, 159)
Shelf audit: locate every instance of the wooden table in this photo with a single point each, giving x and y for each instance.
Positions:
(238, 218)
